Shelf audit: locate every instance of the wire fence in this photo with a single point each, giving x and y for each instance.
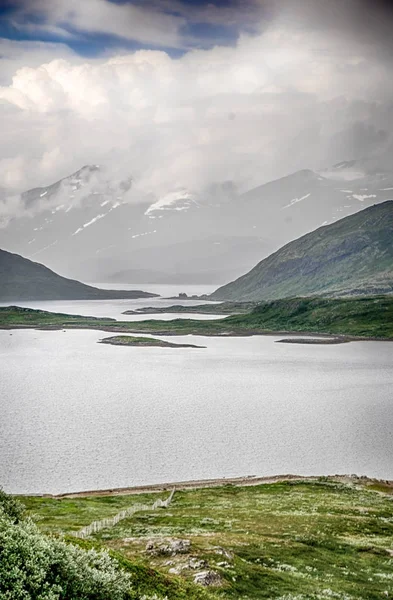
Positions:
(96, 526)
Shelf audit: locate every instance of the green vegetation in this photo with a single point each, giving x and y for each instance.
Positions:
(353, 256)
(357, 317)
(128, 340)
(222, 308)
(287, 540)
(37, 566)
(23, 279)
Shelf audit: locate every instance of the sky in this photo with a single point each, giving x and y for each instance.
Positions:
(189, 93)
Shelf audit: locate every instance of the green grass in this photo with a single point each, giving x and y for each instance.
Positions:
(68, 514)
(286, 540)
(370, 317)
(222, 308)
(128, 340)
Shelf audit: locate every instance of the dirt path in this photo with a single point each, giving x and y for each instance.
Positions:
(212, 483)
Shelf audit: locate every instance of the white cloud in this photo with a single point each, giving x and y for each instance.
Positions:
(14, 53)
(276, 102)
(127, 21)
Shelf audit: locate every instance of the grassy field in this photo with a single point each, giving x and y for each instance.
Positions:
(358, 317)
(288, 540)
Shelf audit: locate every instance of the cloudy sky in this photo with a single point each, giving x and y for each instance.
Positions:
(192, 92)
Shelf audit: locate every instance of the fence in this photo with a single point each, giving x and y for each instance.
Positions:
(124, 514)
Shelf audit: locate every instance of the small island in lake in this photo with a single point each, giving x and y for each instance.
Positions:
(218, 308)
(128, 340)
(316, 340)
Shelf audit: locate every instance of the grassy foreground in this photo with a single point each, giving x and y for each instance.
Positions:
(358, 317)
(290, 540)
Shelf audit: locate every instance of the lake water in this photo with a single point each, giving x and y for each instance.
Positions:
(115, 308)
(78, 415)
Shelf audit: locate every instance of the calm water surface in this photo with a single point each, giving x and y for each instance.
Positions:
(77, 415)
(115, 308)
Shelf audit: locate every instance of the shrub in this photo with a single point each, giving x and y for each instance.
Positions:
(34, 566)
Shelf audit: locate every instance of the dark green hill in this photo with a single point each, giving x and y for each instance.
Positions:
(353, 256)
(22, 279)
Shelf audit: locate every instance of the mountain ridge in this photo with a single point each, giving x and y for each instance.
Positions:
(93, 224)
(23, 279)
(353, 256)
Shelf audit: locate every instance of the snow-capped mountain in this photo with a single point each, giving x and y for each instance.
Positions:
(94, 228)
(178, 200)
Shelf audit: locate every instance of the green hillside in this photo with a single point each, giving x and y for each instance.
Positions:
(23, 279)
(326, 539)
(366, 317)
(353, 256)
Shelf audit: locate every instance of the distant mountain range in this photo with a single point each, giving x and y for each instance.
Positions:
(350, 257)
(94, 228)
(22, 279)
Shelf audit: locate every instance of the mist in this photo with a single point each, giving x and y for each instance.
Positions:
(302, 88)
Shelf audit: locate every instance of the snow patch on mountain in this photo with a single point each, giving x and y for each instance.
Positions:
(45, 248)
(296, 200)
(363, 197)
(178, 200)
(137, 235)
(97, 218)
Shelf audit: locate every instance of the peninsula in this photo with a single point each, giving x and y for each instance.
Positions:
(355, 318)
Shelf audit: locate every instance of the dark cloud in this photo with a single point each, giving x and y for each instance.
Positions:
(367, 21)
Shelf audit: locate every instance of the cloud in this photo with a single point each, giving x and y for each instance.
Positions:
(169, 24)
(15, 53)
(124, 20)
(294, 95)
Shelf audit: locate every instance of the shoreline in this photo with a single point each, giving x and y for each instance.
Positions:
(142, 342)
(232, 334)
(195, 484)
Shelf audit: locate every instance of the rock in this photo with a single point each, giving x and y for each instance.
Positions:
(196, 563)
(226, 553)
(175, 570)
(168, 547)
(207, 578)
(149, 546)
(180, 546)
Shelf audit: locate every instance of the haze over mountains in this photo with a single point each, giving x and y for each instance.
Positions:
(351, 257)
(97, 229)
(22, 279)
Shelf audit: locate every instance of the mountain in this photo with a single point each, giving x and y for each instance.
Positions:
(350, 257)
(22, 279)
(96, 227)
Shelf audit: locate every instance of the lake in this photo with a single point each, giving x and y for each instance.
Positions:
(115, 308)
(77, 415)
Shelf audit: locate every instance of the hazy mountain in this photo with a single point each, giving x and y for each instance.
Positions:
(352, 256)
(94, 228)
(22, 279)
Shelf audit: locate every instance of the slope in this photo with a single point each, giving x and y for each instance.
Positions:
(22, 279)
(352, 256)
